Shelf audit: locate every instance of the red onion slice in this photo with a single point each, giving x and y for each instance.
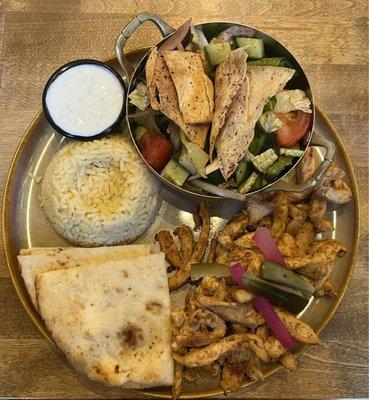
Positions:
(267, 245)
(235, 30)
(175, 40)
(228, 194)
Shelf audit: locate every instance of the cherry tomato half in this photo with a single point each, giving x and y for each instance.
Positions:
(156, 149)
(295, 126)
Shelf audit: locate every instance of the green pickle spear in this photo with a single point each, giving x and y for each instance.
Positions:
(272, 271)
(290, 299)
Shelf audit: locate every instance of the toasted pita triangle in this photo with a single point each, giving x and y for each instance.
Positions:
(150, 82)
(234, 138)
(189, 79)
(229, 76)
(264, 83)
(169, 106)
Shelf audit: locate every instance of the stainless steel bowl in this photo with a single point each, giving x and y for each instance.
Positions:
(273, 48)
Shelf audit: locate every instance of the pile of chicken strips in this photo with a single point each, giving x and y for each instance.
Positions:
(221, 330)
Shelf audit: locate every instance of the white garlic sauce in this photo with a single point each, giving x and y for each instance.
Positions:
(85, 99)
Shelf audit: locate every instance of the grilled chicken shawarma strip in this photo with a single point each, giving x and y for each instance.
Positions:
(232, 376)
(332, 186)
(186, 238)
(208, 354)
(199, 247)
(168, 246)
(301, 332)
(288, 361)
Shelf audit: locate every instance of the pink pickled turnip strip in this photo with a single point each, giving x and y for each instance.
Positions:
(273, 321)
(237, 272)
(267, 245)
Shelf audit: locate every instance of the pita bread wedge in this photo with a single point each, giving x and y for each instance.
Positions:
(31, 251)
(264, 83)
(229, 76)
(59, 258)
(191, 85)
(150, 70)
(112, 320)
(234, 137)
(169, 104)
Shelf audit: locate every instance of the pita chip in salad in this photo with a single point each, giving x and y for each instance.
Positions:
(234, 137)
(265, 82)
(194, 89)
(229, 77)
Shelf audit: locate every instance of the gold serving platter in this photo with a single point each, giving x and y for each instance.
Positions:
(24, 225)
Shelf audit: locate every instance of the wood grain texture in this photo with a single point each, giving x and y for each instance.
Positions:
(330, 39)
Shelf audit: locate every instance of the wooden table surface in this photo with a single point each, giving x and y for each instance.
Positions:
(330, 38)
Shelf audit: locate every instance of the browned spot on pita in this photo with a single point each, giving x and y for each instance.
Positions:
(131, 335)
(155, 307)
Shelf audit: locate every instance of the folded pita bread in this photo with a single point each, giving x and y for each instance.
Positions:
(264, 82)
(150, 82)
(229, 77)
(168, 101)
(193, 87)
(112, 320)
(41, 250)
(59, 258)
(234, 137)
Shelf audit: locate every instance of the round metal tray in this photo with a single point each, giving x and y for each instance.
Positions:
(25, 225)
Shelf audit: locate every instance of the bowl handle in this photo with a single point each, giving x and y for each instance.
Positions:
(128, 31)
(330, 148)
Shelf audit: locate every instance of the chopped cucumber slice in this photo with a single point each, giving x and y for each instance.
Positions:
(291, 152)
(243, 170)
(258, 184)
(218, 53)
(254, 47)
(139, 132)
(264, 160)
(271, 61)
(278, 166)
(247, 185)
(175, 173)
